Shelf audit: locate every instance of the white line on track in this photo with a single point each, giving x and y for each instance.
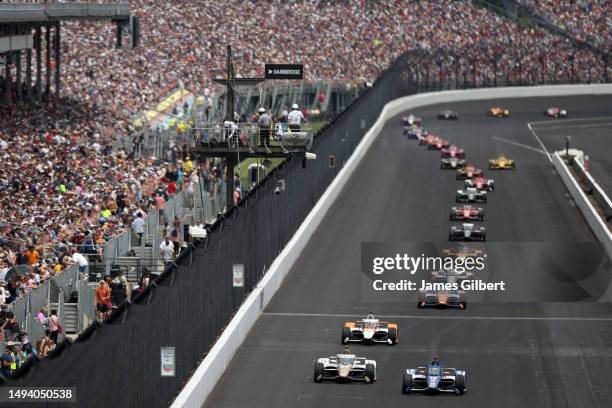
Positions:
(556, 122)
(607, 124)
(452, 317)
(539, 141)
(518, 144)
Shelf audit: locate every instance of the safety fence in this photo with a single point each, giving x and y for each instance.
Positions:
(189, 305)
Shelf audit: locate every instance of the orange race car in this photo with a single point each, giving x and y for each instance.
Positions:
(369, 330)
(427, 139)
(497, 112)
(467, 172)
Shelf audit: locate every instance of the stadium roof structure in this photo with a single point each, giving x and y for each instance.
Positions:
(51, 12)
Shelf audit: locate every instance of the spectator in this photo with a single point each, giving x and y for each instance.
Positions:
(26, 345)
(44, 345)
(166, 250)
(175, 237)
(138, 227)
(4, 294)
(7, 360)
(10, 327)
(295, 118)
(118, 288)
(55, 326)
(43, 317)
(80, 260)
(32, 255)
(102, 300)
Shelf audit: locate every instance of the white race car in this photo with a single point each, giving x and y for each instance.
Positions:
(345, 367)
(369, 330)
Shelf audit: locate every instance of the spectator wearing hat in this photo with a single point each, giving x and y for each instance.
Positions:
(102, 300)
(295, 118)
(265, 124)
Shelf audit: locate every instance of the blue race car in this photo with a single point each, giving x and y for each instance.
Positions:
(434, 378)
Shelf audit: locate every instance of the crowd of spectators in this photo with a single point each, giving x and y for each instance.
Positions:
(586, 20)
(69, 182)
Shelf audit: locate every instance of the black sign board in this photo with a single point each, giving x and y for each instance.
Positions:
(284, 71)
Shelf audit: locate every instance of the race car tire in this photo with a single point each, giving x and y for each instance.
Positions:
(319, 371)
(370, 374)
(481, 216)
(459, 384)
(392, 335)
(463, 301)
(450, 237)
(346, 334)
(422, 297)
(407, 384)
(484, 200)
(452, 216)
(513, 166)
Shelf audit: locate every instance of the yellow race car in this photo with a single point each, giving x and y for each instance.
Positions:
(501, 163)
(497, 112)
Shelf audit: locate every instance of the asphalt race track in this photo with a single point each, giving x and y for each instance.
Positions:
(528, 353)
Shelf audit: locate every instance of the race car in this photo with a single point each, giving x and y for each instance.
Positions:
(415, 133)
(467, 213)
(501, 163)
(497, 112)
(471, 195)
(448, 115)
(411, 120)
(452, 151)
(434, 378)
(467, 232)
(444, 275)
(345, 368)
(555, 112)
(463, 252)
(480, 183)
(442, 298)
(438, 144)
(427, 139)
(467, 172)
(369, 330)
(452, 163)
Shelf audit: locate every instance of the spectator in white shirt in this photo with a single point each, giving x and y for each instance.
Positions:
(138, 227)
(295, 118)
(166, 250)
(79, 259)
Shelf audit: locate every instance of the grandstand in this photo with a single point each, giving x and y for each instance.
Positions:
(80, 164)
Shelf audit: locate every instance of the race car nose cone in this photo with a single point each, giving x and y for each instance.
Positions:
(368, 334)
(344, 371)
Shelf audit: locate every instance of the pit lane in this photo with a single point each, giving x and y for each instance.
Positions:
(531, 354)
